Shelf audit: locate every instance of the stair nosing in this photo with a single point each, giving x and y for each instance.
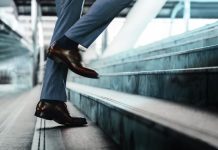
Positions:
(213, 69)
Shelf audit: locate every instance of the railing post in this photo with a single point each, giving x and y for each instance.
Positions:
(34, 20)
(41, 46)
(37, 37)
(104, 40)
(175, 11)
(187, 13)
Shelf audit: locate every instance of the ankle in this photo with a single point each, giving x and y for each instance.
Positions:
(66, 43)
(51, 101)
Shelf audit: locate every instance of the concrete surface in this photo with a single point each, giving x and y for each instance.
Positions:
(137, 122)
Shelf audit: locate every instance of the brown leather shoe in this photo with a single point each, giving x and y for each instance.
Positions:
(72, 59)
(58, 112)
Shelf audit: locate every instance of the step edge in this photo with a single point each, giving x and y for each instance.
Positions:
(203, 49)
(168, 71)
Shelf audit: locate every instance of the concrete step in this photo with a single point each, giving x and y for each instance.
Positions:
(136, 122)
(199, 38)
(204, 57)
(21, 130)
(52, 136)
(193, 86)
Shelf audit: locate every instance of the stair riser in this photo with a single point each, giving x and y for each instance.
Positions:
(202, 58)
(198, 88)
(130, 132)
(143, 53)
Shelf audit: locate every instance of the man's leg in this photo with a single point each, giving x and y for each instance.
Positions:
(54, 83)
(90, 26)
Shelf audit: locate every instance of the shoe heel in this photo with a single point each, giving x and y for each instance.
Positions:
(43, 115)
(49, 54)
(37, 114)
(56, 59)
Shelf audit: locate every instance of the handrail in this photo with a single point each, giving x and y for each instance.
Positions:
(24, 40)
(10, 29)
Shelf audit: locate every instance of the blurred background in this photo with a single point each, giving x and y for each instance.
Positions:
(26, 28)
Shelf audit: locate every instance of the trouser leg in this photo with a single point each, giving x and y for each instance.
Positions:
(91, 25)
(54, 83)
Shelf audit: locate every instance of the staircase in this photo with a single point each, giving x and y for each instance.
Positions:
(162, 96)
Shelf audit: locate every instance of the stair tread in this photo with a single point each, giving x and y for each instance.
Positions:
(190, 121)
(168, 43)
(52, 136)
(168, 71)
(158, 56)
(16, 119)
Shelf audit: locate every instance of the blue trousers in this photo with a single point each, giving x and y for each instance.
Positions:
(83, 30)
